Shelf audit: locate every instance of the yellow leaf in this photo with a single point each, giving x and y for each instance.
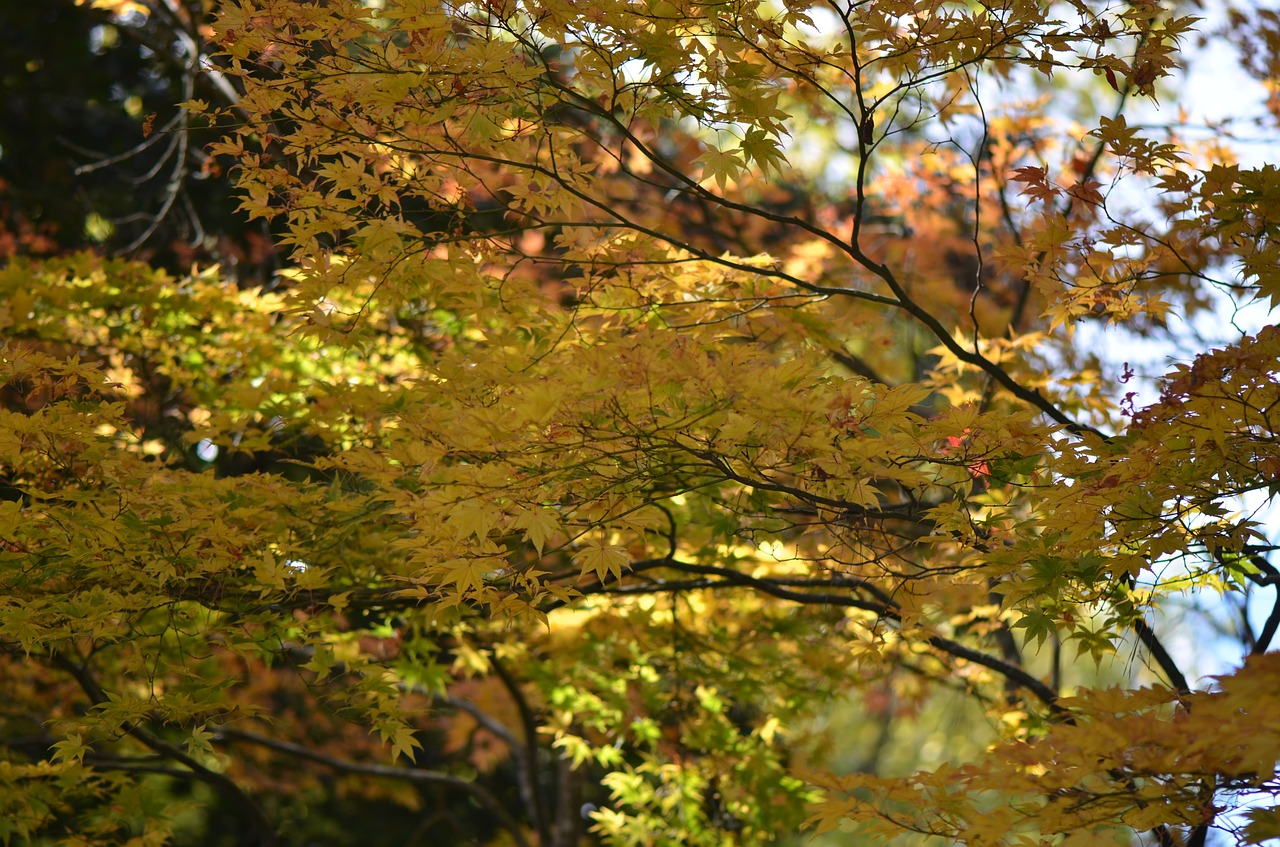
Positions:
(601, 558)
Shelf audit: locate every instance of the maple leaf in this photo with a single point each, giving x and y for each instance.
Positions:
(601, 558)
(401, 739)
(539, 524)
(465, 576)
(628, 383)
(721, 166)
(1087, 191)
(1036, 184)
(472, 518)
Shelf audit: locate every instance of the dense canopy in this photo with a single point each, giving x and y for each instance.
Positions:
(642, 422)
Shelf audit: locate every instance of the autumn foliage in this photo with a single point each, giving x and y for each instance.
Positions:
(651, 384)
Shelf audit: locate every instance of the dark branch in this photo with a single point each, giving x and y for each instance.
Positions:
(882, 607)
(479, 792)
(528, 756)
(257, 818)
(1161, 656)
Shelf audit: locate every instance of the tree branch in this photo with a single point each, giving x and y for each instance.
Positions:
(884, 609)
(538, 810)
(479, 792)
(266, 833)
(1161, 656)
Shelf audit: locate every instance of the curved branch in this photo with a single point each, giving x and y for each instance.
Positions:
(267, 835)
(901, 298)
(538, 810)
(479, 792)
(111, 763)
(1268, 628)
(883, 608)
(777, 588)
(489, 722)
(1009, 671)
(1267, 577)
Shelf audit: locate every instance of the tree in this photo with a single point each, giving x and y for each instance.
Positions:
(94, 150)
(647, 377)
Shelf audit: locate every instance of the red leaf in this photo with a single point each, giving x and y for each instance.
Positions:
(1036, 179)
